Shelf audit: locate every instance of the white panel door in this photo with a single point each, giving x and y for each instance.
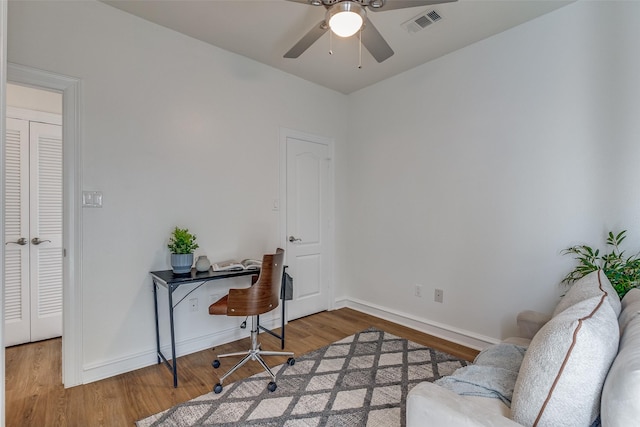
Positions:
(33, 231)
(46, 230)
(16, 222)
(307, 225)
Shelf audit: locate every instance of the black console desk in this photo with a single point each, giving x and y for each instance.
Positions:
(170, 281)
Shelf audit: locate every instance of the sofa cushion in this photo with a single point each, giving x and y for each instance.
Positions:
(562, 374)
(431, 405)
(620, 402)
(530, 322)
(591, 285)
(630, 308)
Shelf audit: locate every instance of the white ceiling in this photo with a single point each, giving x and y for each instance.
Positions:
(265, 29)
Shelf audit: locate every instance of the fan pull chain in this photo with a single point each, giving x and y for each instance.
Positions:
(330, 42)
(360, 50)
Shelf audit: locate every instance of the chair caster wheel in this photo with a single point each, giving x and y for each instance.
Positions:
(215, 363)
(272, 386)
(217, 388)
(291, 361)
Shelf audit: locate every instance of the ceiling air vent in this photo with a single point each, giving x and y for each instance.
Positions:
(421, 21)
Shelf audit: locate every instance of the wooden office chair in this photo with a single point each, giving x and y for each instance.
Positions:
(262, 297)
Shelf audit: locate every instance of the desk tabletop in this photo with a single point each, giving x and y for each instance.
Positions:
(170, 278)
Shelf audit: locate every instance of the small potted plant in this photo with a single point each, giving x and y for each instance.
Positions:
(622, 271)
(182, 244)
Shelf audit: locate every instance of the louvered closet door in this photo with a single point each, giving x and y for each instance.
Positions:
(16, 269)
(33, 231)
(46, 227)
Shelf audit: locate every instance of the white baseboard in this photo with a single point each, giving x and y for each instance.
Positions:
(109, 368)
(440, 330)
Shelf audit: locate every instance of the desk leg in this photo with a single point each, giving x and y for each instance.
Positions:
(173, 339)
(155, 306)
(282, 319)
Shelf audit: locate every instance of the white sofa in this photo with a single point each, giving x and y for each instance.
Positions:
(581, 368)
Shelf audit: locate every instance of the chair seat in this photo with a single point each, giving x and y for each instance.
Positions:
(220, 306)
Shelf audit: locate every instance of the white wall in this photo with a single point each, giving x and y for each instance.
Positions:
(481, 166)
(175, 132)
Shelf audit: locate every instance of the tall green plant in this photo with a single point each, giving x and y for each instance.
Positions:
(182, 242)
(623, 272)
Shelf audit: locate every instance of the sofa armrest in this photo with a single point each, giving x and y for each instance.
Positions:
(530, 322)
(430, 404)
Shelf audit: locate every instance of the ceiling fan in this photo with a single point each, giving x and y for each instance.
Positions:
(346, 17)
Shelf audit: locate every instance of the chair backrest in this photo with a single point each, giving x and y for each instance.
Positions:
(264, 295)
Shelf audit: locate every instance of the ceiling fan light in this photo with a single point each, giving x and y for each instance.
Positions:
(345, 18)
(345, 24)
(376, 4)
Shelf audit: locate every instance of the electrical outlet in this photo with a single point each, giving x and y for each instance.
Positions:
(418, 291)
(193, 304)
(438, 295)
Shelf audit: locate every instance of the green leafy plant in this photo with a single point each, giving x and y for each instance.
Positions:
(623, 272)
(182, 242)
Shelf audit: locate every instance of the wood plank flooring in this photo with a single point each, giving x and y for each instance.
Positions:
(35, 396)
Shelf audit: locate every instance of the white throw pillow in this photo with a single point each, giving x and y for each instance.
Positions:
(591, 285)
(630, 308)
(562, 374)
(621, 392)
(632, 296)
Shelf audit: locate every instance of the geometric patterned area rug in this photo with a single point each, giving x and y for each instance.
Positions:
(362, 380)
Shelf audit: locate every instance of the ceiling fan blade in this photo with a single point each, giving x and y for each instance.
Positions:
(402, 4)
(305, 42)
(374, 42)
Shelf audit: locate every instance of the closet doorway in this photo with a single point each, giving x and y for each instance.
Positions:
(33, 216)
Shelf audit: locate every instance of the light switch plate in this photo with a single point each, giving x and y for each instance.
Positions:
(92, 199)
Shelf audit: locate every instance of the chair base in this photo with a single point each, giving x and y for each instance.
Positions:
(254, 353)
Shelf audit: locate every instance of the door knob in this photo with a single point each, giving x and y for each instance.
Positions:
(21, 241)
(294, 239)
(37, 241)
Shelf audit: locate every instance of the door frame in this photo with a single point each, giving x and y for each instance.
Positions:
(70, 88)
(3, 87)
(286, 133)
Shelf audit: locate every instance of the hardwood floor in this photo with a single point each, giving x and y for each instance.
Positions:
(35, 396)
